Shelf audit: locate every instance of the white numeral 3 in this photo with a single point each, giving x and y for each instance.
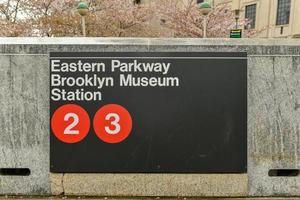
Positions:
(115, 123)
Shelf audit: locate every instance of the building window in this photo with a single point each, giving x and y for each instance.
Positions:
(200, 1)
(283, 12)
(250, 14)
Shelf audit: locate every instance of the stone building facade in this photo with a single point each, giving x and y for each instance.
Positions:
(279, 18)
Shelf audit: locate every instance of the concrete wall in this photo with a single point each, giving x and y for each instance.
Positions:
(273, 121)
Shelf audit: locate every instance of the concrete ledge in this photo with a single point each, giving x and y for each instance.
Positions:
(251, 46)
(222, 185)
(147, 41)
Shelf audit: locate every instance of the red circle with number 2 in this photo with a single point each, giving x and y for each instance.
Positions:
(70, 123)
(112, 123)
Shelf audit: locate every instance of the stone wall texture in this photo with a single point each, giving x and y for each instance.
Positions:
(273, 120)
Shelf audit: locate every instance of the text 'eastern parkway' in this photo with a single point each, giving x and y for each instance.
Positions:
(115, 66)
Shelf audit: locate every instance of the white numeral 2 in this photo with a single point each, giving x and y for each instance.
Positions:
(68, 130)
(115, 123)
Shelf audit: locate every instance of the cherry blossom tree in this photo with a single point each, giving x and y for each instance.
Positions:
(10, 25)
(119, 18)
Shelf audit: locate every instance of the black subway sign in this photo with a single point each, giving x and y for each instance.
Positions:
(139, 112)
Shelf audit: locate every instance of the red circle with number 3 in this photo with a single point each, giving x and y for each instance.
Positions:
(112, 123)
(70, 123)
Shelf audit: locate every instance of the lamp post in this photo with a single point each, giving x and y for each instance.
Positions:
(205, 9)
(83, 10)
(237, 16)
